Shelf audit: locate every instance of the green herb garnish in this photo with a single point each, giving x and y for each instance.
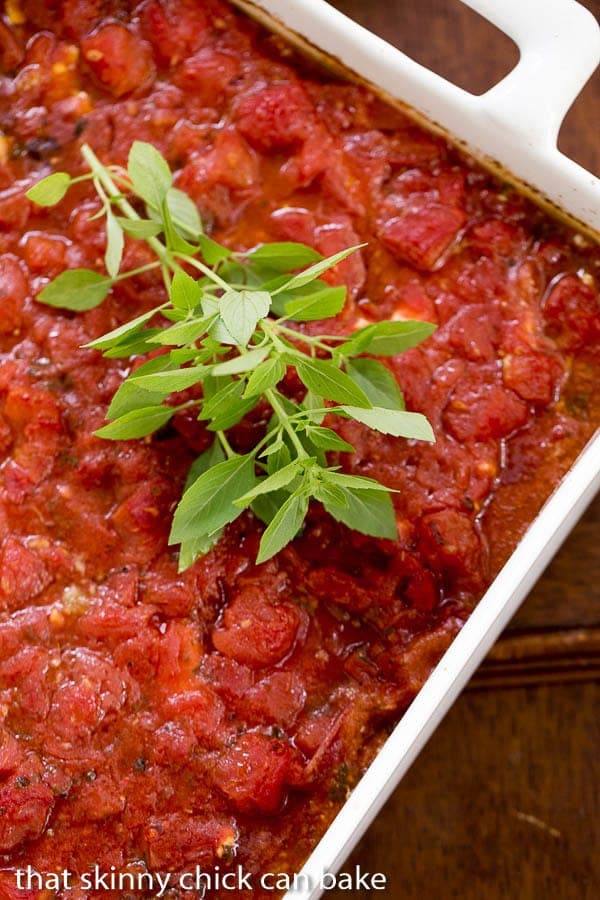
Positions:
(231, 331)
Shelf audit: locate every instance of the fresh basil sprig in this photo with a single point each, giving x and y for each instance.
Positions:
(230, 331)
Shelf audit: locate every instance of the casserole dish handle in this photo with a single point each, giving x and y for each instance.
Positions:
(559, 41)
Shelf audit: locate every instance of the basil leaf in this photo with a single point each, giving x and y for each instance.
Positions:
(314, 406)
(322, 304)
(278, 457)
(241, 312)
(275, 482)
(218, 392)
(193, 548)
(139, 228)
(50, 190)
(244, 362)
(327, 439)
(388, 338)
(76, 289)
(149, 173)
(212, 252)
(185, 332)
(187, 354)
(326, 492)
(392, 421)
(224, 407)
(318, 268)
(209, 503)
(168, 382)
(134, 344)
(370, 512)
(184, 213)
(173, 239)
(137, 423)
(324, 378)
(377, 382)
(123, 331)
(115, 243)
(353, 482)
(205, 461)
(284, 526)
(130, 396)
(185, 291)
(284, 255)
(218, 332)
(265, 376)
(266, 506)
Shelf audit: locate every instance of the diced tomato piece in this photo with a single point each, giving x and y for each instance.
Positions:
(352, 272)
(275, 117)
(180, 652)
(423, 234)
(173, 743)
(177, 839)
(91, 687)
(255, 631)
(317, 729)
(313, 158)
(343, 180)
(25, 813)
(418, 585)
(497, 238)
(277, 698)
(23, 575)
(11, 752)
(230, 678)
(97, 800)
(200, 708)
(253, 773)
(232, 163)
(532, 376)
(80, 16)
(120, 60)
(11, 48)
(145, 510)
(56, 64)
(112, 622)
(14, 209)
(175, 28)
(17, 481)
(164, 588)
(484, 411)
(294, 223)
(44, 253)
(410, 301)
(572, 309)
(472, 332)
(411, 146)
(207, 74)
(450, 543)
(14, 289)
(482, 278)
(332, 585)
(209, 178)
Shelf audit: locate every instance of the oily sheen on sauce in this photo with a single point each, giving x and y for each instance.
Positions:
(153, 721)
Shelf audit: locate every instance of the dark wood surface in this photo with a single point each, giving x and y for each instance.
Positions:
(504, 803)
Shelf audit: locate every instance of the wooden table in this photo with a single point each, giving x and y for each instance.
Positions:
(504, 803)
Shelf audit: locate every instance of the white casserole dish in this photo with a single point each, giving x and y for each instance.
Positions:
(512, 128)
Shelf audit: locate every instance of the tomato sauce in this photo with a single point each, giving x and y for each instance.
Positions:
(152, 721)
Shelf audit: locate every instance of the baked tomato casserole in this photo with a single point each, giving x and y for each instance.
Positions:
(154, 721)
